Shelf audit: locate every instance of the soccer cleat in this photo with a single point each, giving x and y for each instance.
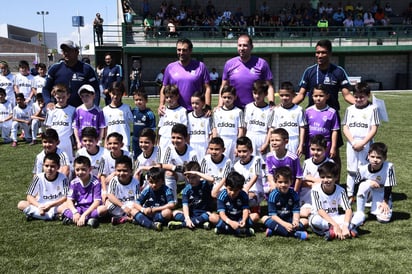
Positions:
(14, 144)
(207, 226)
(353, 232)
(250, 232)
(217, 231)
(29, 217)
(172, 225)
(118, 220)
(157, 226)
(269, 232)
(93, 222)
(67, 221)
(330, 234)
(301, 235)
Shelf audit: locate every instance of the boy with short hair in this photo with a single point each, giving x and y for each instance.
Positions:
(258, 118)
(91, 149)
(143, 117)
(326, 199)
(123, 191)
(196, 200)
(24, 83)
(47, 192)
(229, 121)
(88, 115)
(233, 208)
(118, 116)
(290, 117)
(360, 125)
(21, 119)
(176, 156)
(283, 208)
(199, 125)
(6, 115)
(61, 118)
(375, 180)
(84, 198)
(156, 202)
(216, 164)
(50, 141)
(37, 117)
(281, 156)
(174, 114)
(40, 79)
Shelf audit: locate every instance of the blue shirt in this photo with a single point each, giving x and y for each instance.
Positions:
(151, 198)
(283, 204)
(198, 197)
(233, 207)
(110, 75)
(143, 119)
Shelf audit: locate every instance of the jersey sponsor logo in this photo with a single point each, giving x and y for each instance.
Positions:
(331, 210)
(169, 123)
(52, 196)
(288, 124)
(60, 123)
(27, 85)
(116, 122)
(6, 84)
(256, 122)
(197, 132)
(225, 124)
(361, 125)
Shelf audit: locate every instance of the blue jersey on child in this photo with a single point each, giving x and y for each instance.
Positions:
(152, 198)
(233, 207)
(142, 119)
(283, 204)
(197, 197)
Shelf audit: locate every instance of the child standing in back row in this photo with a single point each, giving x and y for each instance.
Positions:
(21, 119)
(360, 125)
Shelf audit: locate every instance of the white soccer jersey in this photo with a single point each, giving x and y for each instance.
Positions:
(6, 109)
(108, 163)
(200, 129)
(48, 191)
(38, 162)
(385, 177)
(166, 122)
(150, 160)
(24, 83)
(249, 170)
(95, 159)
(217, 170)
(35, 108)
(119, 120)
(360, 120)
(171, 156)
(330, 203)
(290, 119)
(39, 83)
(61, 119)
(125, 193)
(227, 122)
(7, 84)
(258, 120)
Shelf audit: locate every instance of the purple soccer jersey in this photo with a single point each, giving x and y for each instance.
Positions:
(188, 79)
(84, 196)
(242, 76)
(290, 160)
(93, 117)
(321, 121)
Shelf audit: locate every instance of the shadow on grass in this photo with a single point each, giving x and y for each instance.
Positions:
(399, 196)
(398, 215)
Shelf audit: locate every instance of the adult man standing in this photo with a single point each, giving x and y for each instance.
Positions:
(72, 73)
(333, 77)
(242, 71)
(111, 73)
(189, 75)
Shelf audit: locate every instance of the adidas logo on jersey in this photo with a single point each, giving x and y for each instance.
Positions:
(116, 122)
(52, 196)
(256, 122)
(197, 132)
(225, 124)
(6, 84)
(60, 123)
(169, 123)
(361, 125)
(288, 124)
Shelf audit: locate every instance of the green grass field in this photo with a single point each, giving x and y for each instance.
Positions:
(50, 247)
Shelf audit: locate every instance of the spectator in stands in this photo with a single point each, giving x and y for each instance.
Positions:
(388, 10)
(329, 10)
(349, 8)
(359, 9)
(338, 17)
(358, 24)
(368, 20)
(135, 76)
(323, 24)
(98, 28)
(214, 80)
(148, 25)
(171, 28)
(348, 24)
(111, 73)
(210, 9)
(379, 17)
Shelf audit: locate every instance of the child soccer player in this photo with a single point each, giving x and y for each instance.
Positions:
(143, 117)
(123, 191)
(376, 180)
(88, 115)
(50, 141)
(37, 117)
(47, 192)
(199, 125)
(233, 208)
(280, 156)
(24, 83)
(258, 119)
(360, 125)
(118, 116)
(21, 119)
(156, 202)
(91, 149)
(216, 164)
(176, 156)
(84, 197)
(283, 208)
(61, 118)
(40, 79)
(326, 199)
(250, 167)
(114, 144)
(317, 147)
(322, 119)
(196, 200)
(290, 117)
(229, 121)
(150, 156)
(6, 115)
(174, 114)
